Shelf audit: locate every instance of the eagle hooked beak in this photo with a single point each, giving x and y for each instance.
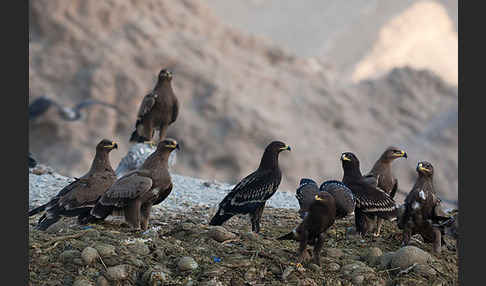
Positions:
(174, 145)
(345, 158)
(286, 147)
(422, 168)
(317, 198)
(113, 145)
(402, 154)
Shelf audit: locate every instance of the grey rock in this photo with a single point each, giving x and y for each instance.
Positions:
(220, 234)
(358, 279)
(333, 252)
(251, 274)
(139, 247)
(424, 270)
(89, 255)
(81, 281)
(373, 255)
(187, 263)
(314, 267)
(385, 260)
(69, 255)
(408, 255)
(118, 273)
(286, 273)
(333, 267)
(105, 250)
(101, 281)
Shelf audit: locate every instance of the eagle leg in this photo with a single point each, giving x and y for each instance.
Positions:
(302, 253)
(255, 219)
(317, 249)
(379, 223)
(145, 214)
(132, 214)
(163, 131)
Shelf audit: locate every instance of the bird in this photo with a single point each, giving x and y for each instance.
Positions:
(32, 162)
(42, 103)
(423, 213)
(371, 201)
(77, 198)
(321, 216)
(385, 179)
(345, 201)
(157, 111)
(136, 192)
(306, 192)
(251, 193)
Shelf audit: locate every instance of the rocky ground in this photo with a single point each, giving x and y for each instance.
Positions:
(181, 249)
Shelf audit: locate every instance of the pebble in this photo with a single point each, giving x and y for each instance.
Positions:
(105, 250)
(220, 234)
(333, 266)
(89, 255)
(373, 255)
(82, 282)
(187, 263)
(424, 270)
(101, 281)
(333, 252)
(385, 260)
(139, 247)
(307, 282)
(69, 255)
(251, 274)
(155, 277)
(358, 279)
(408, 255)
(314, 267)
(117, 273)
(250, 235)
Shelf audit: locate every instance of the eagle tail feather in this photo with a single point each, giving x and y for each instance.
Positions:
(37, 210)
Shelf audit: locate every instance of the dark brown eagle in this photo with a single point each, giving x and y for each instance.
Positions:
(343, 196)
(77, 198)
(423, 213)
(136, 192)
(250, 194)
(321, 216)
(157, 111)
(371, 201)
(385, 179)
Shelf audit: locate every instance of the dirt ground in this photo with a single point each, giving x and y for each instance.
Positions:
(152, 258)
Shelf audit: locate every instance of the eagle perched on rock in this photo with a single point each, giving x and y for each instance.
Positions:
(371, 201)
(137, 191)
(423, 213)
(250, 194)
(157, 111)
(77, 198)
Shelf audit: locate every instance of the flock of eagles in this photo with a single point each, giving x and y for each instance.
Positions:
(97, 194)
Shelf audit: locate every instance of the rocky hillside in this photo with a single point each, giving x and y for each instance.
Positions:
(237, 92)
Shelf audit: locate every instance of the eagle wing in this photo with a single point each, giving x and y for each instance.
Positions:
(257, 187)
(146, 106)
(373, 200)
(126, 188)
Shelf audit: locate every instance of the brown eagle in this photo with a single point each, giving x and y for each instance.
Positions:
(385, 179)
(136, 192)
(423, 213)
(77, 198)
(157, 111)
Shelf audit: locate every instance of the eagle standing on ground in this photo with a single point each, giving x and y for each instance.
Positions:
(382, 173)
(137, 191)
(371, 201)
(343, 196)
(77, 198)
(251, 193)
(321, 216)
(157, 111)
(423, 213)
(306, 193)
